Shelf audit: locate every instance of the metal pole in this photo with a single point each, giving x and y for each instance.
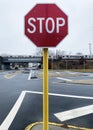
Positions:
(66, 65)
(52, 62)
(84, 66)
(90, 49)
(45, 89)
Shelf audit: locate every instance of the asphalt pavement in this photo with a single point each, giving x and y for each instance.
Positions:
(22, 97)
(39, 126)
(87, 80)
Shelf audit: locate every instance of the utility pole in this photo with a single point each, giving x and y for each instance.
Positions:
(90, 49)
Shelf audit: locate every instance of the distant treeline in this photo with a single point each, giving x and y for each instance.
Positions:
(81, 63)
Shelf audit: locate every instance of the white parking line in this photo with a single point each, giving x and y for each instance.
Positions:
(65, 79)
(57, 72)
(91, 75)
(32, 74)
(29, 77)
(74, 113)
(10, 117)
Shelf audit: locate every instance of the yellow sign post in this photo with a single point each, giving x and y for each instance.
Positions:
(47, 33)
(45, 89)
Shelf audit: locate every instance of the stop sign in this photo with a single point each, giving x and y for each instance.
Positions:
(46, 25)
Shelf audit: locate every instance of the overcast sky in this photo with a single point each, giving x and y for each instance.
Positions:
(13, 40)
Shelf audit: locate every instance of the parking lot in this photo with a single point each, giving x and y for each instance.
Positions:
(70, 99)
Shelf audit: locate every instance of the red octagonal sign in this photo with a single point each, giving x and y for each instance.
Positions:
(46, 25)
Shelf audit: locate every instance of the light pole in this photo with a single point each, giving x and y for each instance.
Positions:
(90, 49)
(52, 62)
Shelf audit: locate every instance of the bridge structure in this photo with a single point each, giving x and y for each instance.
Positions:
(6, 61)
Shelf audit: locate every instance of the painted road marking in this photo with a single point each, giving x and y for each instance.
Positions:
(29, 77)
(74, 113)
(9, 76)
(91, 75)
(10, 117)
(62, 95)
(64, 79)
(32, 74)
(57, 72)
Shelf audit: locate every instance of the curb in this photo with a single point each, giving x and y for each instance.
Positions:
(64, 126)
(80, 82)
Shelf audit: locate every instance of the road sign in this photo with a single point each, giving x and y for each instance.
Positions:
(46, 25)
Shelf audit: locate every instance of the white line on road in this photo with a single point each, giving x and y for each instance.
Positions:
(10, 117)
(57, 72)
(65, 79)
(34, 92)
(70, 96)
(91, 75)
(29, 77)
(74, 113)
(62, 95)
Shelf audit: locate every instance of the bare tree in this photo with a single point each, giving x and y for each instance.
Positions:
(38, 52)
(60, 52)
(79, 53)
(51, 52)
